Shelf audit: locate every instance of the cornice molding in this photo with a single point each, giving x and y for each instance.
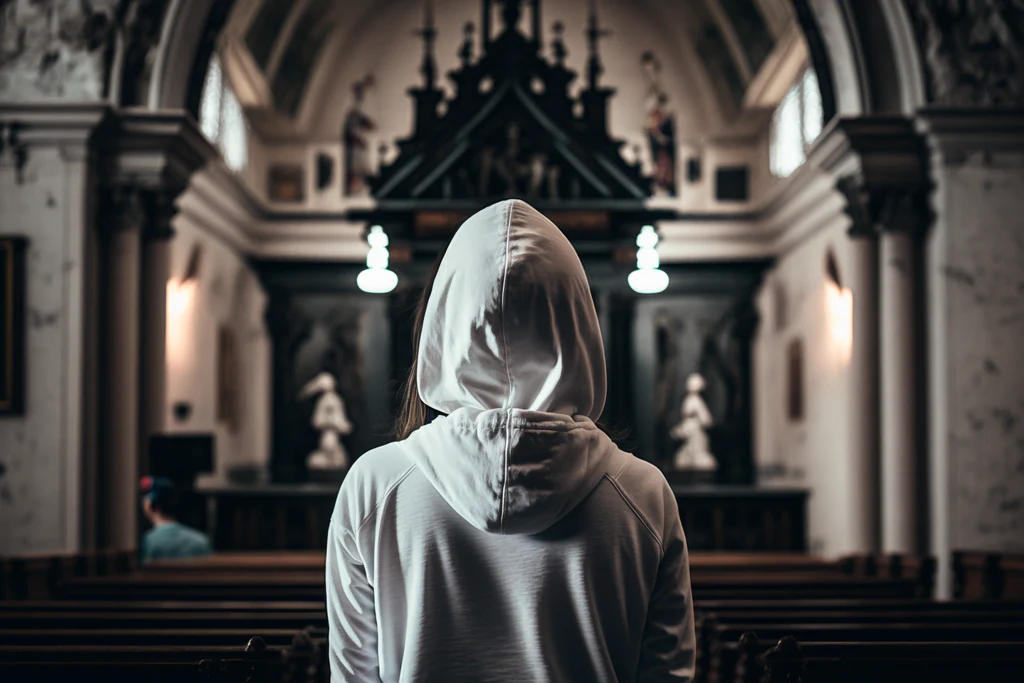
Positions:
(154, 148)
(884, 151)
(54, 124)
(956, 133)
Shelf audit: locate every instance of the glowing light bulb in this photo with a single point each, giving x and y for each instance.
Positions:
(377, 237)
(377, 279)
(648, 237)
(377, 257)
(647, 259)
(648, 278)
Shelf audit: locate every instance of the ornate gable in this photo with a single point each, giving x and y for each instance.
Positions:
(511, 130)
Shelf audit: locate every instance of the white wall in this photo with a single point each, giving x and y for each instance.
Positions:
(976, 301)
(227, 294)
(813, 452)
(41, 451)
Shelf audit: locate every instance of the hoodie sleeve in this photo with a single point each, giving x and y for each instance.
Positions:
(669, 645)
(352, 623)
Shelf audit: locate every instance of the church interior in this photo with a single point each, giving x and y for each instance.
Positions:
(800, 222)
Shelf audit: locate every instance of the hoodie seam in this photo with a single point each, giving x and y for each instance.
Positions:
(508, 368)
(384, 499)
(636, 511)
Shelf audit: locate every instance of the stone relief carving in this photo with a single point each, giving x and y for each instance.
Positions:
(54, 48)
(62, 49)
(973, 50)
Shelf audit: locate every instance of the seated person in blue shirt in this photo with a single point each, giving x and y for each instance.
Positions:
(168, 539)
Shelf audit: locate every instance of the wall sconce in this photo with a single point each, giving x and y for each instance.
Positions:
(838, 311)
(377, 279)
(648, 278)
(180, 292)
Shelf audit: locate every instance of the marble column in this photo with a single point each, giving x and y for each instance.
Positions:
(863, 413)
(156, 267)
(864, 399)
(899, 360)
(121, 223)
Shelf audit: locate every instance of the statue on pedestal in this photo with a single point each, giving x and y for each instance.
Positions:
(330, 420)
(694, 453)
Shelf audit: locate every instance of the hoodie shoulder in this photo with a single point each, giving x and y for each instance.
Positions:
(371, 480)
(645, 489)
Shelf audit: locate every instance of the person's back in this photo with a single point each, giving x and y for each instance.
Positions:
(508, 539)
(168, 539)
(173, 540)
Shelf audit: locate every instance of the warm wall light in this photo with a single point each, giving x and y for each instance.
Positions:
(648, 278)
(377, 279)
(179, 298)
(839, 314)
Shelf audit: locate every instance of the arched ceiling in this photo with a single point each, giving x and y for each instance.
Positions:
(289, 59)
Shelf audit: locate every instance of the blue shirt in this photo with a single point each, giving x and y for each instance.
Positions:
(173, 541)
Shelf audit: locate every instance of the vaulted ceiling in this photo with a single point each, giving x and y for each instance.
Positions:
(282, 45)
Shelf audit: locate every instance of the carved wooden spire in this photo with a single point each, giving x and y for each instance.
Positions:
(594, 34)
(429, 34)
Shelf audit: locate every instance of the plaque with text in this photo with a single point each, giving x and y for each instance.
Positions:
(12, 325)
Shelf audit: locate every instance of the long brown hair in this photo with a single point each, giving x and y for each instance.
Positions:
(412, 412)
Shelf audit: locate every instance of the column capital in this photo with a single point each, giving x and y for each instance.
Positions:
(884, 208)
(881, 167)
(134, 206)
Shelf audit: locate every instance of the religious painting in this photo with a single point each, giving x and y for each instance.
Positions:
(795, 381)
(286, 183)
(12, 325)
(324, 171)
(732, 184)
(659, 126)
(356, 140)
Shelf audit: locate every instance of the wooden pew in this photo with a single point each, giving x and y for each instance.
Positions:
(217, 619)
(303, 661)
(731, 656)
(891, 662)
(989, 576)
(36, 576)
(300, 663)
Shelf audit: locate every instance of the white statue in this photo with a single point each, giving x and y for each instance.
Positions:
(330, 420)
(694, 453)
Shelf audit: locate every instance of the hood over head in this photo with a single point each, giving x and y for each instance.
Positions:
(511, 351)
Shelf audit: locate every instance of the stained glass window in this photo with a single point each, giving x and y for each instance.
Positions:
(795, 125)
(221, 118)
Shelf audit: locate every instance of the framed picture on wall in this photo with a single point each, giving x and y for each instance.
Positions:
(795, 381)
(227, 378)
(286, 183)
(12, 325)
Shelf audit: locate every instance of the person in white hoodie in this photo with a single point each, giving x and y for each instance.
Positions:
(507, 538)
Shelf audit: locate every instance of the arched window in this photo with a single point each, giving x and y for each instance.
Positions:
(795, 125)
(221, 118)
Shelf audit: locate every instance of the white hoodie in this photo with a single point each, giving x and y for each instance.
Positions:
(508, 540)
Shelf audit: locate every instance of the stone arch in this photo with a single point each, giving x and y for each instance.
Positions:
(838, 38)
